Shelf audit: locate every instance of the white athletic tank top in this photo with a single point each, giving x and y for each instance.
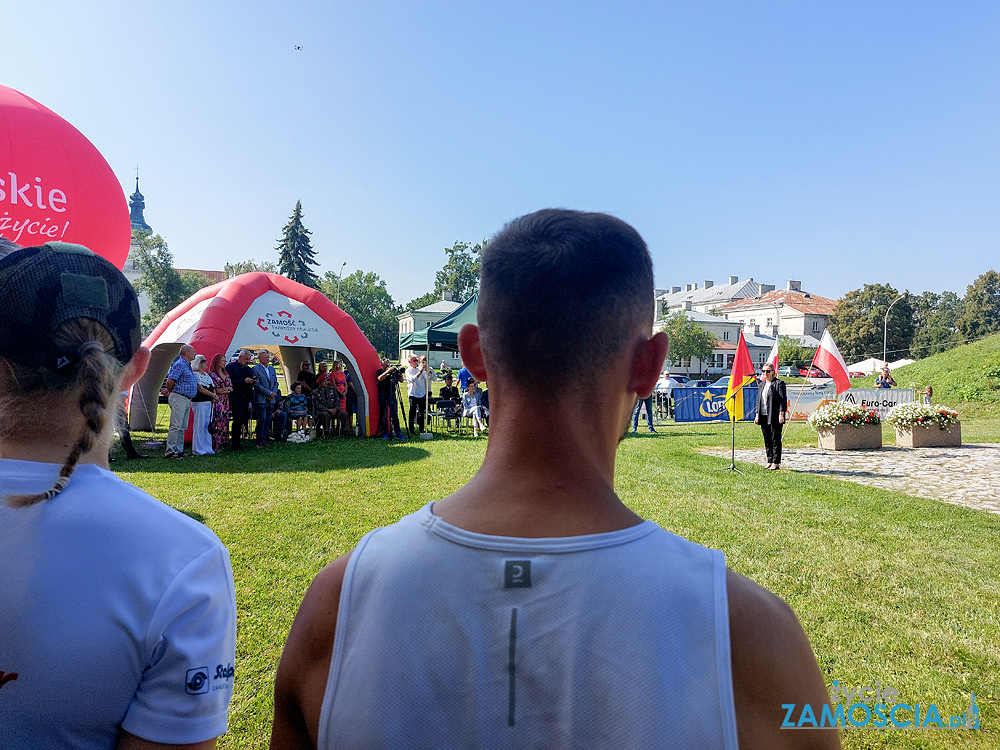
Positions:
(451, 639)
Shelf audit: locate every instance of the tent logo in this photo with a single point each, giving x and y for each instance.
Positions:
(282, 325)
(849, 398)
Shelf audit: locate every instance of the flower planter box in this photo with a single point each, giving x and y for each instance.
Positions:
(846, 437)
(929, 437)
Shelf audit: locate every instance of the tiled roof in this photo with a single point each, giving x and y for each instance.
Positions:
(804, 302)
(214, 277)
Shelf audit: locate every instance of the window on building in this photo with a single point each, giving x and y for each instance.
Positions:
(725, 335)
(815, 326)
(769, 324)
(752, 322)
(730, 358)
(686, 362)
(720, 360)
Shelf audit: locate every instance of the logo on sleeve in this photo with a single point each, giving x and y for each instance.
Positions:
(6, 677)
(517, 574)
(196, 681)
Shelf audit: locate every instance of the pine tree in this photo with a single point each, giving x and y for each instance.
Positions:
(295, 253)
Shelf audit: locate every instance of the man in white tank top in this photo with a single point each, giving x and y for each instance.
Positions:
(532, 608)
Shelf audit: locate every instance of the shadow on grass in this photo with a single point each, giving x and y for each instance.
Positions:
(317, 456)
(191, 514)
(847, 473)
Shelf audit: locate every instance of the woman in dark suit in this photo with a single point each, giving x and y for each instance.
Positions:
(772, 408)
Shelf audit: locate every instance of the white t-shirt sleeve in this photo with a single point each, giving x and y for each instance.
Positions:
(188, 681)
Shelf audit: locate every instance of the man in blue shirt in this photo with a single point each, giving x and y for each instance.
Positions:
(265, 393)
(463, 378)
(181, 387)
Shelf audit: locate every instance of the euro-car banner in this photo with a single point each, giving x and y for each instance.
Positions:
(882, 399)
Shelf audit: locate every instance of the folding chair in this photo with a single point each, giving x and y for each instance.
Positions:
(447, 410)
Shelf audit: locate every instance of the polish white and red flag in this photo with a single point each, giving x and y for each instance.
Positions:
(772, 356)
(828, 359)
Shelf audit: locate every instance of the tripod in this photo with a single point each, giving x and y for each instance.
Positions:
(399, 398)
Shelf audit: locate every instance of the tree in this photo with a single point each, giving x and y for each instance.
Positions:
(460, 275)
(365, 298)
(688, 340)
(461, 271)
(249, 266)
(422, 301)
(935, 323)
(295, 253)
(159, 280)
(858, 319)
(791, 352)
(982, 307)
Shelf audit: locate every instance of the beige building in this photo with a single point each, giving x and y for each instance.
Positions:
(425, 317)
(781, 312)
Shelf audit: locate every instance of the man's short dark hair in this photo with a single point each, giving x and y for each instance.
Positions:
(562, 290)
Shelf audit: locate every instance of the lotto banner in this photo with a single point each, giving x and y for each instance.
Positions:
(709, 404)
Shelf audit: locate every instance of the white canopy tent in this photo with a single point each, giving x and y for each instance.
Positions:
(868, 366)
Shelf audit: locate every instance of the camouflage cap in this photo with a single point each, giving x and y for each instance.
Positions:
(46, 286)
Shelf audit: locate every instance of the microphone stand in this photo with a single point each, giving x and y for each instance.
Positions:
(732, 455)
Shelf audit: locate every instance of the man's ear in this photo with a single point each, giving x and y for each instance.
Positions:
(647, 364)
(136, 368)
(471, 352)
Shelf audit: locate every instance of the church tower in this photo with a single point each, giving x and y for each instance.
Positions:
(136, 204)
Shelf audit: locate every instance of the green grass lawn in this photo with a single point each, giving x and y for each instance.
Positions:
(888, 587)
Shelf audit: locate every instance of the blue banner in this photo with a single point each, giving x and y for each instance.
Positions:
(709, 404)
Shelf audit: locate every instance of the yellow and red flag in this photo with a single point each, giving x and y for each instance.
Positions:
(741, 374)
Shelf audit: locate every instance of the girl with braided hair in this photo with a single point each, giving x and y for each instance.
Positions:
(111, 603)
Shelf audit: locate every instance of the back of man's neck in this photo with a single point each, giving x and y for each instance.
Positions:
(543, 483)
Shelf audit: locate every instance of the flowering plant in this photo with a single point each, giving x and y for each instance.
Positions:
(921, 415)
(839, 412)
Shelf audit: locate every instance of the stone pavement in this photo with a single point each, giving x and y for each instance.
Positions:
(969, 475)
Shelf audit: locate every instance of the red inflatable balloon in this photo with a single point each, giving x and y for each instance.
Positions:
(54, 185)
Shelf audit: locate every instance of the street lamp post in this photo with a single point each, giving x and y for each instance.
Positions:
(339, 275)
(885, 327)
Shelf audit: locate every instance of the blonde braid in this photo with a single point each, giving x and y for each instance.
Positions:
(97, 376)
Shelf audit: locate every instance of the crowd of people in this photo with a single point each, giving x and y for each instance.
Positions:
(471, 402)
(222, 398)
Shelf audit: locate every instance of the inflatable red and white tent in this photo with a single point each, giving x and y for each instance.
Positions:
(257, 311)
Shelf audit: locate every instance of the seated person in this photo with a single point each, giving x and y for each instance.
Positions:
(449, 391)
(279, 418)
(297, 407)
(326, 408)
(484, 399)
(472, 406)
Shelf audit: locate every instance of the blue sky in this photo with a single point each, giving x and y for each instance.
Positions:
(836, 143)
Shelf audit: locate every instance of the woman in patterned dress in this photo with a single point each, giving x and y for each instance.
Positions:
(221, 413)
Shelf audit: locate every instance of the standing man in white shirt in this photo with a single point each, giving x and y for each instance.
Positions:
(418, 380)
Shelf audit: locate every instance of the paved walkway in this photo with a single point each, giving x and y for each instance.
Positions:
(969, 475)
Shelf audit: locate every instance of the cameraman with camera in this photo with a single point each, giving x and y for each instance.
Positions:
(388, 376)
